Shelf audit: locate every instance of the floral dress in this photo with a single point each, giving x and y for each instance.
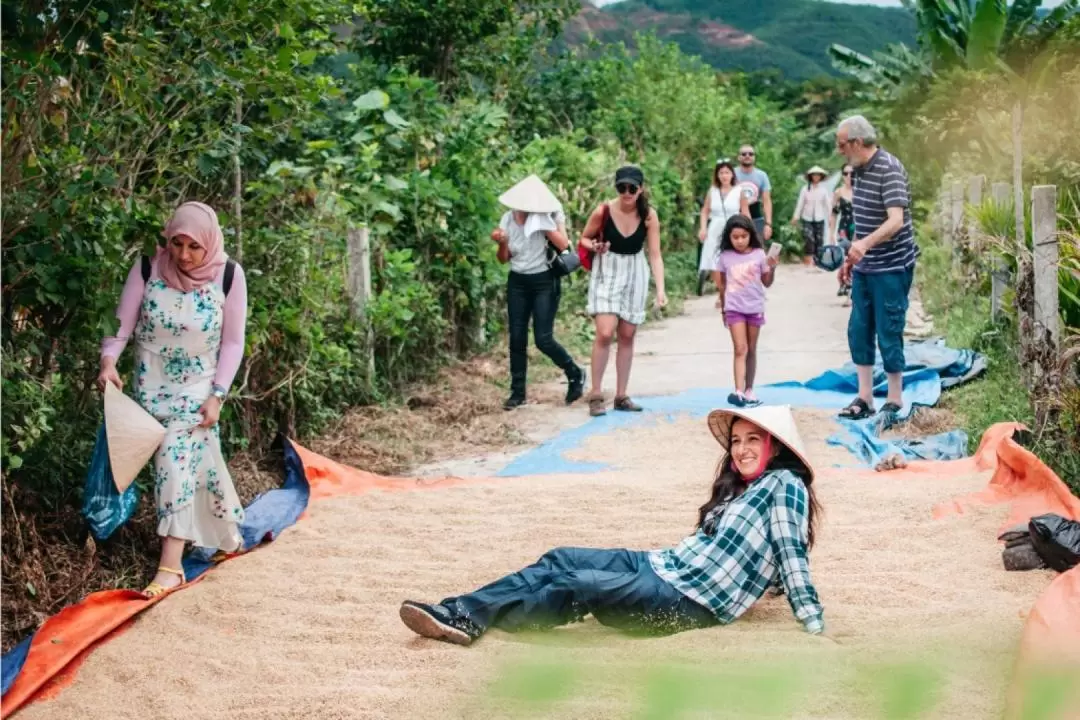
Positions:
(178, 337)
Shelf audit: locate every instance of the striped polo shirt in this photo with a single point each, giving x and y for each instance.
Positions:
(880, 184)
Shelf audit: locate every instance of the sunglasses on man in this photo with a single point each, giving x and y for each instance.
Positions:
(626, 188)
(747, 153)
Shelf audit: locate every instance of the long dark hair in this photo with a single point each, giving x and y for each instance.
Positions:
(743, 222)
(642, 203)
(716, 173)
(729, 485)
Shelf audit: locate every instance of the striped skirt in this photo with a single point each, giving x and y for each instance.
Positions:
(619, 285)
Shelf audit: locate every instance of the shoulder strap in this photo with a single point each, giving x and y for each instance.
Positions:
(606, 214)
(230, 270)
(146, 268)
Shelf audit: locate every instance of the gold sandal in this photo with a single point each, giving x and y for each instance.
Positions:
(155, 588)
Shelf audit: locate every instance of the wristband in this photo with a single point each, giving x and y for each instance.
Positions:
(219, 392)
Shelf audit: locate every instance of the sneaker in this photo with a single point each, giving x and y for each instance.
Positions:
(575, 387)
(625, 404)
(435, 622)
(514, 401)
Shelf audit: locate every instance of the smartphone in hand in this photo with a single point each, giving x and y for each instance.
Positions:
(775, 249)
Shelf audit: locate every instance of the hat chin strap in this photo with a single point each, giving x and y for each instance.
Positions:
(763, 462)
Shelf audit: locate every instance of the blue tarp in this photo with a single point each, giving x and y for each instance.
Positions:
(930, 366)
(264, 518)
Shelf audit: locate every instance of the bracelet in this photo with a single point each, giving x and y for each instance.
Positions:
(218, 392)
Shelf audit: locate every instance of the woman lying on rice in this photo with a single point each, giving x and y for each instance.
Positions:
(755, 529)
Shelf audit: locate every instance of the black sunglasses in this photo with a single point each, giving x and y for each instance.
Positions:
(626, 188)
(747, 154)
(848, 172)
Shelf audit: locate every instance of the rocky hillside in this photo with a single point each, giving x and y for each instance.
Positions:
(789, 35)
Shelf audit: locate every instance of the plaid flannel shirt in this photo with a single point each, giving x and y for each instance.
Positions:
(760, 534)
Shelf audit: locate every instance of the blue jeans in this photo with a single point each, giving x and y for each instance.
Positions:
(879, 304)
(618, 587)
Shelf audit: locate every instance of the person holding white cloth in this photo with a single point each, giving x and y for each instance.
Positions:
(812, 210)
(725, 199)
(535, 221)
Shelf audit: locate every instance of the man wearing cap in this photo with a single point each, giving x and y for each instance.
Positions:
(812, 209)
(880, 264)
(534, 222)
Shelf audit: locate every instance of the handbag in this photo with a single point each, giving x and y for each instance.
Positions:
(562, 263)
(586, 256)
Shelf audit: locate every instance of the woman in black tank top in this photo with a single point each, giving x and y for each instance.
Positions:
(621, 233)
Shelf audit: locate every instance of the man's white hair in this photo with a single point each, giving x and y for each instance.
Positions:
(859, 128)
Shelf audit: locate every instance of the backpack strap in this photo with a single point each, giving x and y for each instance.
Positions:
(230, 270)
(146, 268)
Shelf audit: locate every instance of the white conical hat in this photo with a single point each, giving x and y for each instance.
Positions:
(531, 195)
(817, 170)
(132, 433)
(776, 419)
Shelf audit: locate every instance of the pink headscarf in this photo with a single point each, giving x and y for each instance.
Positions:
(200, 223)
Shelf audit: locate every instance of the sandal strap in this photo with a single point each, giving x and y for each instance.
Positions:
(162, 568)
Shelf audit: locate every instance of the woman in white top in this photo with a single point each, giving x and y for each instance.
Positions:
(534, 221)
(813, 210)
(724, 200)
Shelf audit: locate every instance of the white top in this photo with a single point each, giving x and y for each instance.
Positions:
(528, 243)
(722, 206)
(815, 203)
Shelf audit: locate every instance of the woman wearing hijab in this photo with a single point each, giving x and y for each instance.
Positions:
(812, 210)
(725, 199)
(535, 221)
(621, 232)
(754, 532)
(186, 309)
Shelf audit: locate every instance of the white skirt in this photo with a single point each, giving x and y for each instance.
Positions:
(619, 285)
(710, 251)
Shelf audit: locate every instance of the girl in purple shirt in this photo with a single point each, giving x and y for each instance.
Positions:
(745, 271)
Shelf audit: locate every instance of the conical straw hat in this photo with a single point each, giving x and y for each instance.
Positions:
(530, 195)
(817, 170)
(132, 433)
(776, 419)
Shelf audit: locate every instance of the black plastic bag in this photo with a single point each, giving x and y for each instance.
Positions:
(1057, 540)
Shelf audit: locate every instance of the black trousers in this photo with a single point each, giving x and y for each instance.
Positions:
(534, 297)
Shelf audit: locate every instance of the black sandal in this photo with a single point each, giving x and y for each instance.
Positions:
(857, 410)
(890, 408)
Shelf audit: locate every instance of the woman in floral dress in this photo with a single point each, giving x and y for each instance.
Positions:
(187, 312)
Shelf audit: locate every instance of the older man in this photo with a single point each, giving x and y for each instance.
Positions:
(880, 264)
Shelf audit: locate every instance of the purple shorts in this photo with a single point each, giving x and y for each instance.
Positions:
(732, 317)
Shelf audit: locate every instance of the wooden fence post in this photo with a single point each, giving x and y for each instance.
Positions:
(359, 289)
(957, 219)
(999, 274)
(1045, 242)
(975, 189)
